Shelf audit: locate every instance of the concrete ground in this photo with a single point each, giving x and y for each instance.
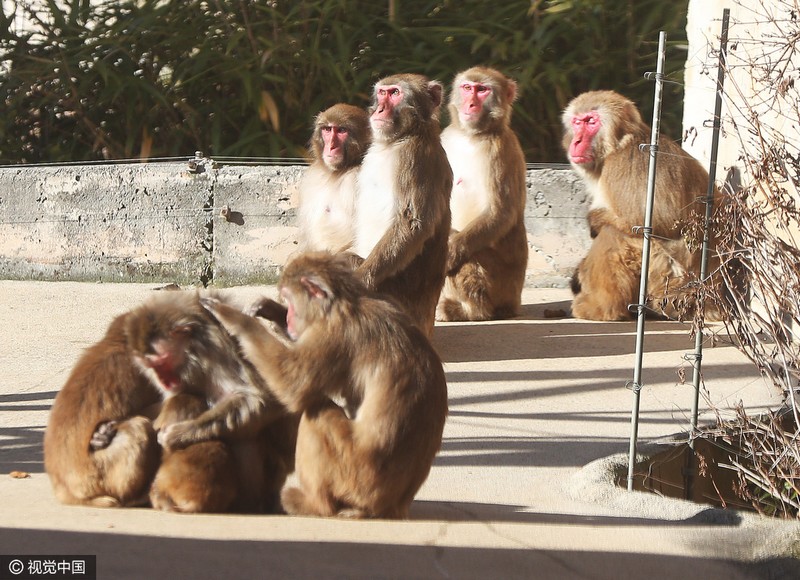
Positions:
(523, 487)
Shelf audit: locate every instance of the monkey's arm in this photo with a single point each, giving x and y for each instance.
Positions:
(420, 205)
(288, 373)
(240, 414)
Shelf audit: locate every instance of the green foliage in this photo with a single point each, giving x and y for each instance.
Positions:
(157, 78)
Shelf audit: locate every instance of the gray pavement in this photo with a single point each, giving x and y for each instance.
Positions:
(523, 487)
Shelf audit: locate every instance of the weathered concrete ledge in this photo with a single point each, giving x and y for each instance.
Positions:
(164, 222)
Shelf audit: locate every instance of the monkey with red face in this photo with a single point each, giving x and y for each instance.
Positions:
(488, 247)
(602, 134)
(340, 341)
(100, 444)
(326, 196)
(403, 208)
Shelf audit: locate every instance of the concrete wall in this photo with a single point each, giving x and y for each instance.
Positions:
(164, 222)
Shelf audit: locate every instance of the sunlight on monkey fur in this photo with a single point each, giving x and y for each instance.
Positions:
(343, 341)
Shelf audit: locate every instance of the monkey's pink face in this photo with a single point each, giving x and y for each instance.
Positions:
(473, 96)
(584, 128)
(387, 98)
(334, 138)
(166, 360)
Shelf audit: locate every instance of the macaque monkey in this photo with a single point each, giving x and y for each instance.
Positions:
(100, 448)
(200, 478)
(403, 208)
(342, 341)
(100, 445)
(488, 249)
(602, 134)
(182, 349)
(327, 192)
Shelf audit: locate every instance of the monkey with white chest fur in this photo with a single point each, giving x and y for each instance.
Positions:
(488, 247)
(327, 191)
(403, 208)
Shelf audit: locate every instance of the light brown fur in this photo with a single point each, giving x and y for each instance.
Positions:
(327, 192)
(100, 445)
(404, 200)
(343, 342)
(616, 179)
(200, 478)
(106, 400)
(488, 247)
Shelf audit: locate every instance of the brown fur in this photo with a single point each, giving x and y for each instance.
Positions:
(259, 433)
(406, 165)
(205, 362)
(245, 475)
(327, 192)
(343, 342)
(106, 400)
(100, 446)
(617, 181)
(488, 256)
(200, 478)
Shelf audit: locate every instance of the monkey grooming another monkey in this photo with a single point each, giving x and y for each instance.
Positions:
(602, 134)
(184, 351)
(327, 191)
(100, 446)
(343, 341)
(488, 248)
(403, 207)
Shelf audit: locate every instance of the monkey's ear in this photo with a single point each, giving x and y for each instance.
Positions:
(315, 287)
(511, 91)
(435, 89)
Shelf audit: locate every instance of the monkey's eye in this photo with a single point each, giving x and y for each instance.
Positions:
(181, 331)
(342, 130)
(326, 128)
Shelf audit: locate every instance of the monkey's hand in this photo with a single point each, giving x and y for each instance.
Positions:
(456, 256)
(103, 435)
(176, 436)
(269, 309)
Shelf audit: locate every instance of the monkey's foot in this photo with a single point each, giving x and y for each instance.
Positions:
(450, 311)
(103, 435)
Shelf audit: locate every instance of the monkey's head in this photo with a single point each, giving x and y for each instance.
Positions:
(403, 105)
(169, 338)
(341, 137)
(317, 286)
(595, 124)
(481, 100)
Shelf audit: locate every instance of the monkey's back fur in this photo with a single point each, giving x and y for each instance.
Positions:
(104, 386)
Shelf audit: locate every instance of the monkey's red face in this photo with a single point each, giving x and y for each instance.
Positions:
(584, 128)
(387, 98)
(473, 96)
(334, 138)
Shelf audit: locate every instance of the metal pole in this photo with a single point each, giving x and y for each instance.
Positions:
(712, 175)
(647, 231)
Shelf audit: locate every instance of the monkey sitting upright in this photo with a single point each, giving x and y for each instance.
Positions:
(602, 134)
(342, 341)
(488, 247)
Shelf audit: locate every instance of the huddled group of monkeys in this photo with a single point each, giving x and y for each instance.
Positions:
(193, 404)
